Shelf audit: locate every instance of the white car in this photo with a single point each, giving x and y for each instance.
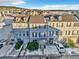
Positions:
(60, 47)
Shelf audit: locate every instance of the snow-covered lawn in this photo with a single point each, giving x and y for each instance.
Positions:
(36, 52)
(49, 50)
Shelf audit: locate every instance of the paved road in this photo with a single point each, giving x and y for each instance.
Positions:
(70, 57)
(38, 57)
(35, 57)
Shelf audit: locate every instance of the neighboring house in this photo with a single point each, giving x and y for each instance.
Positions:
(68, 25)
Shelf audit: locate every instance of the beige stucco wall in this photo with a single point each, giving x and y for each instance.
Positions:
(36, 24)
(19, 25)
(64, 28)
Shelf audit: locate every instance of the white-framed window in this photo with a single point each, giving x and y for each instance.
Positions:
(34, 34)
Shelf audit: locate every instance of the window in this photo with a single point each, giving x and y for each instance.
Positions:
(65, 32)
(45, 26)
(61, 24)
(68, 24)
(52, 32)
(53, 24)
(57, 32)
(19, 34)
(23, 34)
(56, 24)
(39, 26)
(27, 33)
(39, 34)
(49, 33)
(72, 32)
(68, 32)
(34, 34)
(44, 34)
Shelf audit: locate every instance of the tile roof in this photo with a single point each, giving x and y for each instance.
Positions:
(36, 19)
(16, 18)
(66, 18)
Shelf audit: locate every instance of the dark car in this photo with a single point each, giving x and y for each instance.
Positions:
(1, 45)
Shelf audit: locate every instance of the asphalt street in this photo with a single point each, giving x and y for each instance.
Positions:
(39, 57)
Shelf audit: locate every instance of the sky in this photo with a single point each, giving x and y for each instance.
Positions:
(43, 4)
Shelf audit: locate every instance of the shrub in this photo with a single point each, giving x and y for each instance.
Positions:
(18, 44)
(34, 45)
(71, 43)
(66, 45)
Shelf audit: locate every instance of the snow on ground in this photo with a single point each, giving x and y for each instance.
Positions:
(4, 50)
(22, 52)
(15, 52)
(36, 52)
(4, 32)
(72, 51)
(51, 49)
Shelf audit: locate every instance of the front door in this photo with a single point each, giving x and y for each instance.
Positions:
(51, 40)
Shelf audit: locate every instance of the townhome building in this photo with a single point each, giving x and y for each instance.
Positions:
(68, 24)
(34, 28)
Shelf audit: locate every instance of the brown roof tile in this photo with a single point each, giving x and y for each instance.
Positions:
(66, 18)
(36, 19)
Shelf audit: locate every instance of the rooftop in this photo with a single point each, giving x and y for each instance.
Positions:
(68, 18)
(64, 18)
(21, 18)
(36, 19)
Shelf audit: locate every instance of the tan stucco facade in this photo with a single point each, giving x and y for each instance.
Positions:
(19, 25)
(67, 29)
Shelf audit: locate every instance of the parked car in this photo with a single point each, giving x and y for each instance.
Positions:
(11, 43)
(60, 47)
(1, 45)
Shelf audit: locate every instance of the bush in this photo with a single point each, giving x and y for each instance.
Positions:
(71, 43)
(18, 44)
(34, 45)
(66, 45)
